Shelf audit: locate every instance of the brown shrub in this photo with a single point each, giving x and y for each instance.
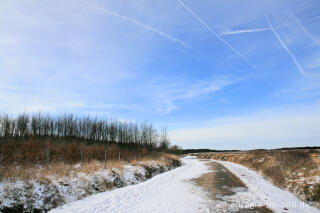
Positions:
(35, 152)
(293, 160)
(316, 193)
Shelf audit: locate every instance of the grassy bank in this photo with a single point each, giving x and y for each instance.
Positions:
(39, 189)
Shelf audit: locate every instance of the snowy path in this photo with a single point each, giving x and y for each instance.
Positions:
(173, 192)
(167, 192)
(265, 193)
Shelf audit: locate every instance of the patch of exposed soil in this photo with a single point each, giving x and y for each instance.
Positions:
(220, 182)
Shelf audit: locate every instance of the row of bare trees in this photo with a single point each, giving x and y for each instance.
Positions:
(68, 127)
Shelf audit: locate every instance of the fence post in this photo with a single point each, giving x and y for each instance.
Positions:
(81, 159)
(47, 157)
(139, 155)
(119, 156)
(105, 158)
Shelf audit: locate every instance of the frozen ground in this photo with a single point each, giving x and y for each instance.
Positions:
(167, 192)
(264, 193)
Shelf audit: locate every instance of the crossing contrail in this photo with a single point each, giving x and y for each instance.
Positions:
(285, 47)
(216, 34)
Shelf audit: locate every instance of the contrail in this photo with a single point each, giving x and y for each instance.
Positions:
(304, 30)
(148, 27)
(216, 34)
(310, 19)
(285, 47)
(244, 31)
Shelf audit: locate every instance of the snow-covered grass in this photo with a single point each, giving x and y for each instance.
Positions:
(265, 193)
(52, 190)
(167, 192)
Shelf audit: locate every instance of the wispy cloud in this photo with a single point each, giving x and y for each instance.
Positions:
(234, 32)
(285, 47)
(148, 27)
(304, 30)
(167, 97)
(314, 62)
(217, 35)
(23, 40)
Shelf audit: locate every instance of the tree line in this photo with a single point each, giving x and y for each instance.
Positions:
(70, 128)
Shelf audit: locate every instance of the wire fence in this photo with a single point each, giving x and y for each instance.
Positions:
(32, 153)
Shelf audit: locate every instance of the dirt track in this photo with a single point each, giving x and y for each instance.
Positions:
(219, 183)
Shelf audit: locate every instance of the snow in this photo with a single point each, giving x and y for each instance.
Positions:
(262, 192)
(167, 192)
(173, 191)
(55, 191)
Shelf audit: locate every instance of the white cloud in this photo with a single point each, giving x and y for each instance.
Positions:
(268, 129)
(16, 40)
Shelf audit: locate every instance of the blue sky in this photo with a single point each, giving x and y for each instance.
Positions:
(219, 74)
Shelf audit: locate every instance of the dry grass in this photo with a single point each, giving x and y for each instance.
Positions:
(28, 159)
(61, 169)
(161, 157)
(295, 170)
(19, 181)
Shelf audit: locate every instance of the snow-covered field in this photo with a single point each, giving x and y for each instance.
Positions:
(265, 193)
(167, 192)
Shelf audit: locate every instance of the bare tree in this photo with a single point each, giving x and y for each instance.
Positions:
(90, 130)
